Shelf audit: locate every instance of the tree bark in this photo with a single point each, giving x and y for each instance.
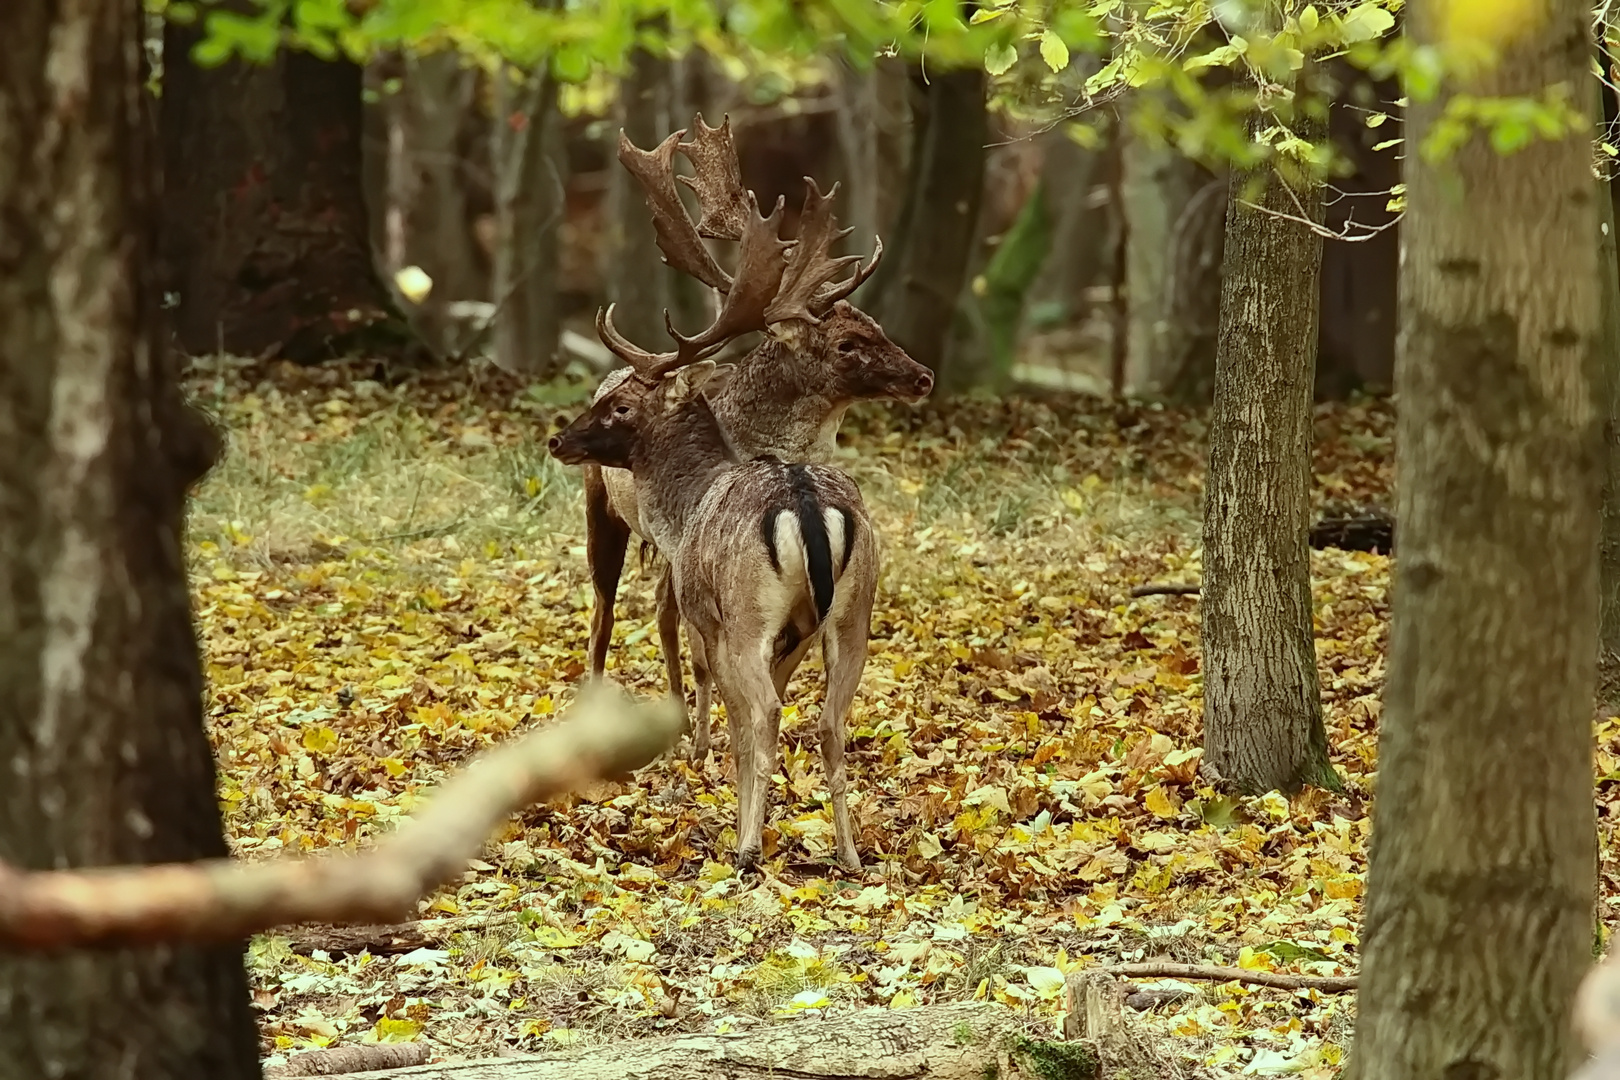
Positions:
(638, 281)
(100, 681)
(921, 283)
(428, 189)
(1609, 278)
(1262, 711)
(1082, 228)
(944, 1042)
(1478, 924)
(265, 223)
(530, 188)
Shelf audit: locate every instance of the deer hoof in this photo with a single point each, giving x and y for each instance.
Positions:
(747, 858)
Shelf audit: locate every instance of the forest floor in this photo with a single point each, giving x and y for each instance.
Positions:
(390, 579)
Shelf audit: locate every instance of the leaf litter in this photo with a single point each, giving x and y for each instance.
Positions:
(390, 578)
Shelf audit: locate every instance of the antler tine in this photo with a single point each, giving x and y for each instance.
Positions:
(677, 237)
(642, 361)
(839, 290)
(717, 180)
(760, 267)
(809, 268)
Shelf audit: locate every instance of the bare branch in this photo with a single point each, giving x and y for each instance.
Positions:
(1165, 589)
(1327, 984)
(222, 900)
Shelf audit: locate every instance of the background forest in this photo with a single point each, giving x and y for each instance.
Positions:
(299, 607)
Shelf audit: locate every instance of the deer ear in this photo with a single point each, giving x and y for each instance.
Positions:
(716, 382)
(686, 383)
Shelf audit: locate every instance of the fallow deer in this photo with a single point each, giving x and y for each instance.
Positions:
(787, 397)
(765, 558)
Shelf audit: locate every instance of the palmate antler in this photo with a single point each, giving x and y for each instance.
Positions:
(766, 289)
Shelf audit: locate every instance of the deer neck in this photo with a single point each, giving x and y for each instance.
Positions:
(778, 403)
(674, 465)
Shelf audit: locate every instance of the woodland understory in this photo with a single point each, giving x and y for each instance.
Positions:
(390, 577)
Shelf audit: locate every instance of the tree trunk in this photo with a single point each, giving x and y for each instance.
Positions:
(1081, 230)
(428, 188)
(100, 681)
(1478, 924)
(1609, 278)
(530, 188)
(923, 279)
(638, 281)
(1162, 348)
(873, 147)
(944, 1042)
(265, 224)
(1262, 711)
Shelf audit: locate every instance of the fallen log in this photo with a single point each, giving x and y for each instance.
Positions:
(387, 939)
(341, 1060)
(941, 1042)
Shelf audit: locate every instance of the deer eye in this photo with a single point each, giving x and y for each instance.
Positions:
(622, 410)
(846, 346)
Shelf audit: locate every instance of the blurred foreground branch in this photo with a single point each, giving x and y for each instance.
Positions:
(604, 736)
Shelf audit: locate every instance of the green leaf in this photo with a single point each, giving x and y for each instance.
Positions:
(998, 58)
(984, 15)
(1366, 22)
(1308, 18)
(1053, 51)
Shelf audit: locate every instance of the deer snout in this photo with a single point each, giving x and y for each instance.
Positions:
(925, 383)
(554, 443)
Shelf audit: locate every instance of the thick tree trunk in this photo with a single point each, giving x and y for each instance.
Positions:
(1478, 925)
(530, 188)
(428, 188)
(265, 224)
(922, 280)
(100, 683)
(874, 144)
(1165, 353)
(638, 281)
(1262, 712)
(1609, 279)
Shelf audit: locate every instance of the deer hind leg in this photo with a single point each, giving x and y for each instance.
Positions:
(607, 537)
(754, 713)
(844, 653)
(669, 643)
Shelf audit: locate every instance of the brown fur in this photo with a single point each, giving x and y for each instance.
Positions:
(739, 578)
(787, 398)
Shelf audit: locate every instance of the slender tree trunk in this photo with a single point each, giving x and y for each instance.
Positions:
(1080, 227)
(100, 683)
(924, 276)
(1478, 924)
(426, 180)
(265, 224)
(530, 184)
(1609, 278)
(1262, 711)
(1157, 186)
(638, 281)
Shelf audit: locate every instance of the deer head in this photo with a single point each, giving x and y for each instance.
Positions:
(795, 290)
(645, 411)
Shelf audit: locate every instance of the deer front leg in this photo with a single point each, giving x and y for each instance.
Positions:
(607, 537)
(669, 642)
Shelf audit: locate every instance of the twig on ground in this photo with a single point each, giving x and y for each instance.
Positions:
(1165, 589)
(351, 1059)
(1327, 984)
(604, 737)
(391, 939)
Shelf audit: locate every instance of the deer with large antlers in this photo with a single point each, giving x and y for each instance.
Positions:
(820, 354)
(765, 558)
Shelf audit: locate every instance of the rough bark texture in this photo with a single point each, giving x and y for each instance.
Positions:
(1157, 184)
(918, 288)
(1478, 924)
(429, 220)
(1262, 712)
(1609, 277)
(100, 683)
(946, 1042)
(638, 281)
(264, 213)
(530, 188)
